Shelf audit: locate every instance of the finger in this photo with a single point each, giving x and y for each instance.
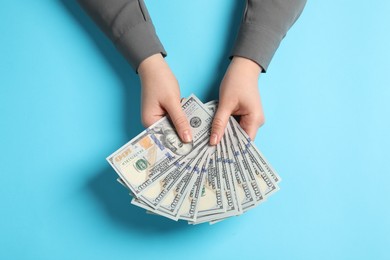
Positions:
(180, 121)
(220, 121)
(148, 120)
(251, 124)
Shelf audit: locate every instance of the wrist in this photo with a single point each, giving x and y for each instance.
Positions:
(245, 67)
(152, 64)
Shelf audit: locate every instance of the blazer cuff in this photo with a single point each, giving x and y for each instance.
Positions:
(139, 42)
(256, 43)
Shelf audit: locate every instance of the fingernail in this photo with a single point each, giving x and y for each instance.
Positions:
(187, 136)
(213, 139)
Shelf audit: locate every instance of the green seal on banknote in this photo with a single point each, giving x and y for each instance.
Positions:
(141, 164)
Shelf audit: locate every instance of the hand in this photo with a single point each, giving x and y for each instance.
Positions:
(161, 95)
(239, 95)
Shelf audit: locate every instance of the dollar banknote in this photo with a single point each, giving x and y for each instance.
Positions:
(194, 181)
(158, 150)
(213, 199)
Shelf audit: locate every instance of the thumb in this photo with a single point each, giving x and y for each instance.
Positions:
(180, 121)
(220, 121)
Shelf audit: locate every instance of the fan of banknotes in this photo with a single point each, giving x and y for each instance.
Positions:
(194, 181)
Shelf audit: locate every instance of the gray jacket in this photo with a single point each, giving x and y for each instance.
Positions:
(128, 24)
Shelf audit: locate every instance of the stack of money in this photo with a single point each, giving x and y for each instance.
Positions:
(194, 181)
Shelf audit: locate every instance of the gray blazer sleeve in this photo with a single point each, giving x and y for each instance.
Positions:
(128, 24)
(264, 25)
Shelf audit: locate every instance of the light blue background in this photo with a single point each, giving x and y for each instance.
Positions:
(68, 99)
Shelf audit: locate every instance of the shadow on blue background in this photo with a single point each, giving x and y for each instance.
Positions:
(131, 94)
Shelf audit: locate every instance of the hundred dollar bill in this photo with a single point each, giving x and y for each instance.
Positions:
(231, 190)
(170, 206)
(266, 183)
(246, 167)
(256, 153)
(223, 196)
(212, 199)
(246, 195)
(189, 206)
(225, 168)
(156, 191)
(171, 195)
(233, 208)
(158, 149)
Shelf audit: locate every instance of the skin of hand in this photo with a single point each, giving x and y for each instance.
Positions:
(239, 95)
(161, 95)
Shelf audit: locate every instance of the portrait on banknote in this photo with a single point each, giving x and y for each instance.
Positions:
(169, 138)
